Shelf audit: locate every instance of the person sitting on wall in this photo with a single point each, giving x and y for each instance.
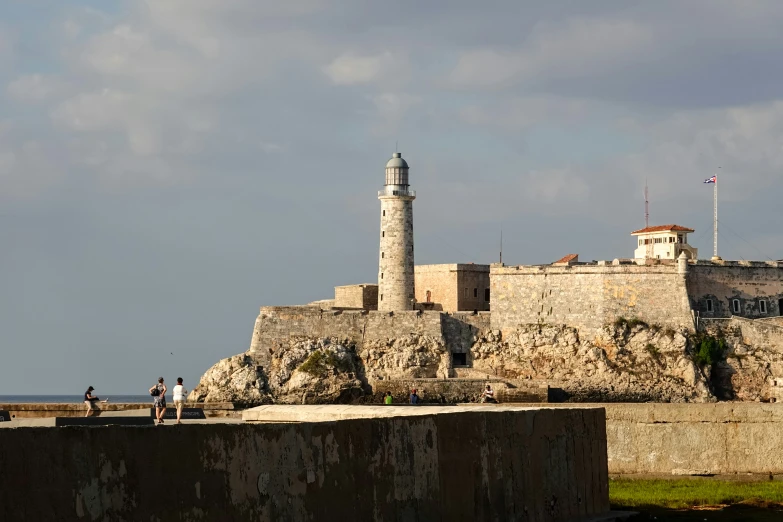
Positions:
(488, 395)
(414, 397)
(387, 399)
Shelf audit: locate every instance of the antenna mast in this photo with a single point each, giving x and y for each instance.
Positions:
(501, 246)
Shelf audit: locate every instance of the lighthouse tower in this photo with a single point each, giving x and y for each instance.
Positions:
(395, 267)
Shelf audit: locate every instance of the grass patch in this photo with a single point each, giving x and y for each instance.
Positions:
(621, 322)
(321, 362)
(636, 494)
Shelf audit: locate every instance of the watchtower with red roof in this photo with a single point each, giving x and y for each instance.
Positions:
(667, 241)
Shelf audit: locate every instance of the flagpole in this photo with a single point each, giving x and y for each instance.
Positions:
(715, 220)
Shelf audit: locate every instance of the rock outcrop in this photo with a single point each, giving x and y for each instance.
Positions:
(628, 361)
(308, 370)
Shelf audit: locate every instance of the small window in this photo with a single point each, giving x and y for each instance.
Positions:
(429, 296)
(384, 213)
(383, 234)
(763, 306)
(709, 305)
(486, 294)
(735, 305)
(459, 359)
(381, 255)
(381, 297)
(475, 292)
(381, 275)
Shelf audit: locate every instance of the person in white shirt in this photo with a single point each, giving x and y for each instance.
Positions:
(180, 394)
(488, 395)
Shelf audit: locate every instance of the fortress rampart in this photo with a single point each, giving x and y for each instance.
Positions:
(588, 296)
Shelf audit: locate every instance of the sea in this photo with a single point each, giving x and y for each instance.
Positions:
(6, 399)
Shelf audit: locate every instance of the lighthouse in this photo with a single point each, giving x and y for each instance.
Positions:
(395, 266)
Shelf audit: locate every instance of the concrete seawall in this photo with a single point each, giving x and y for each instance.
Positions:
(516, 464)
(718, 438)
(653, 438)
(35, 410)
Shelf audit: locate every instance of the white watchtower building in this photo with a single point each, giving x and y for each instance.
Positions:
(395, 267)
(664, 242)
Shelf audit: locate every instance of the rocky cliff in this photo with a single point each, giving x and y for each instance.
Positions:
(628, 361)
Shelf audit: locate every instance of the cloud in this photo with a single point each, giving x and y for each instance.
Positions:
(517, 113)
(566, 50)
(384, 68)
(34, 87)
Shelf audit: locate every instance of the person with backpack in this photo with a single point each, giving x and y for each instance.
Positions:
(414, 397)
(158, 393)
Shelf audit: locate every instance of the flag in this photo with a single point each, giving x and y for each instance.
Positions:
(713, 179)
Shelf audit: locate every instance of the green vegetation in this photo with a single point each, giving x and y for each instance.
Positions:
(654, 352)
(686, 493)
(621, 322)
(707, 350)
(321, 361)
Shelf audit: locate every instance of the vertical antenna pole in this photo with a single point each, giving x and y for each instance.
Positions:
(501, 246)
(649, 250)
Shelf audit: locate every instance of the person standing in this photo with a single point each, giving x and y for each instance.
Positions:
(180, 394)
(414, 397)
(158, 393)
(387, 399)
(89, 400)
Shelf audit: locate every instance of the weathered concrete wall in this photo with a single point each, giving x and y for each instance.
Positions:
(588, 297)
(528, 464)
(718, 438)
(751, 282)
(38, 410)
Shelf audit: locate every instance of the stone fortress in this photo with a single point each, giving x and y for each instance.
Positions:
(621, 329)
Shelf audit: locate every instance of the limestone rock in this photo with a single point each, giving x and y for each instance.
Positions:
(237, 379)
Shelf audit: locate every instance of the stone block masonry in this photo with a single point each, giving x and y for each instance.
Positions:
(522, 464)
(396, 279)
(745, 288)
(360, 297)
(588, 297)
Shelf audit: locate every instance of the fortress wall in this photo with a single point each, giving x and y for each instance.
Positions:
(276, 324)
(588, 297)
(744, 280)
(761, 335)
(461, 329)
(455, 466)
(441, 282)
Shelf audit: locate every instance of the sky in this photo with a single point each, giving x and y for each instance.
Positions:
(168, 166)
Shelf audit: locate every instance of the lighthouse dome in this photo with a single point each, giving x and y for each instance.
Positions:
(396, 161)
